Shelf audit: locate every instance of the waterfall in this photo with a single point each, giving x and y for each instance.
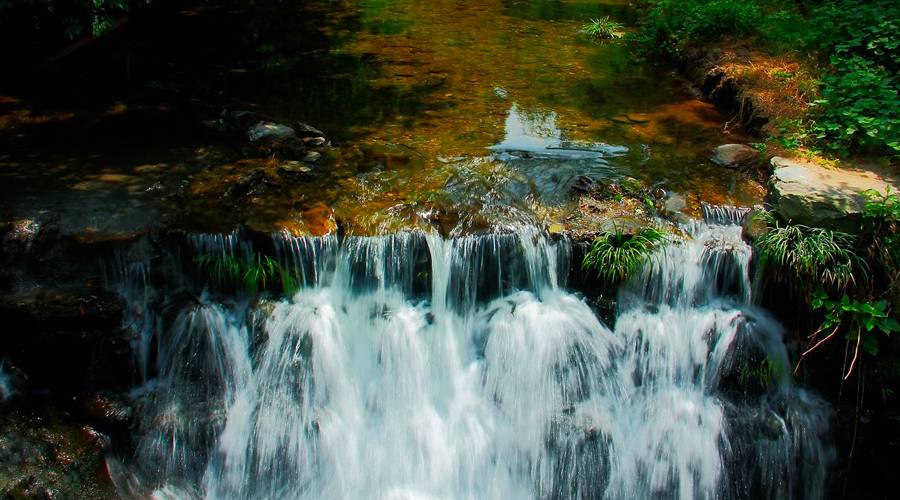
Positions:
(410, 366)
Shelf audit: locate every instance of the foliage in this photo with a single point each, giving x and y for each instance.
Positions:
(75, 17)
(806, 255)
(851, 47)
(671, 25)
(821, 260)
(882, 218)
(861, 320)
(882, 214)
(616, 255)
(860, 107)
(253, 274)
(602, 29)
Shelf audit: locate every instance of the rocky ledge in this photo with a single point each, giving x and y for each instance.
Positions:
(813, 195)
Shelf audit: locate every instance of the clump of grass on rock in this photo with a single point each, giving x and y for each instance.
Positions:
(616, 255)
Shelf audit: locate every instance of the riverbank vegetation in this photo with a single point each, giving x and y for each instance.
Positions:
(824, 72)
(849, 282)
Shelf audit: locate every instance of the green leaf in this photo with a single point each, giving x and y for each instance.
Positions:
(869, 343)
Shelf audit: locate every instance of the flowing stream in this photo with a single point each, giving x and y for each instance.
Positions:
(409, 366)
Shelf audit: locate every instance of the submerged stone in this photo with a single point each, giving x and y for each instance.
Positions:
(294, 168)
(734, 156)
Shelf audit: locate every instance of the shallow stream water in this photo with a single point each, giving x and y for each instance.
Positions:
(458, 114)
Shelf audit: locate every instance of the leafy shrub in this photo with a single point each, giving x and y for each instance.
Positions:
(671, 25)
(762, 375)
(614, 256)
(860, 319)
(860, 107)
(602, 29)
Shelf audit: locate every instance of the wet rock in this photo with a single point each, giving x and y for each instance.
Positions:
(303, 131)
(233, 121)
(675, 203)
(753, 225)
(291, 148)
(44, 456)
(294, 168)
(809, 194)
(315, 142)
(250, 184)
(312, 157)
(583, 185)
(282, 141)
(735, 156)
(66, 340)
(269, 131)
(109, 409)
(20, 236)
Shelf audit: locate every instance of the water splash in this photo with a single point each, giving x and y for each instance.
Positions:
(410, 366)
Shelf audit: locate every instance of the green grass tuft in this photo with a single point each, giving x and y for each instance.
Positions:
(808, 256)
(602, 29)
(615, 256)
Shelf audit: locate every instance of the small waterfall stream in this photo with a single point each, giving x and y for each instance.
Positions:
(414, 367)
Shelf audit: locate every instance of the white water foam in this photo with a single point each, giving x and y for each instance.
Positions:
(414, 367)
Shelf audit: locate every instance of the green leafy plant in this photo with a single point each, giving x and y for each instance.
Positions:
(602, 29)
(861, 319)
(258, 273)
(807, 255)
(77, 18)
(860, 107)
(616, 255)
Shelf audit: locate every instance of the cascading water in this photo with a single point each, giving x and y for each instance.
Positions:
(415, 367)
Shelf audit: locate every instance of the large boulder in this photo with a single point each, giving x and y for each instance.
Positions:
(809, 194)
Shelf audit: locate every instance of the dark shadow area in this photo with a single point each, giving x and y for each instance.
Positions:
(112, 126)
